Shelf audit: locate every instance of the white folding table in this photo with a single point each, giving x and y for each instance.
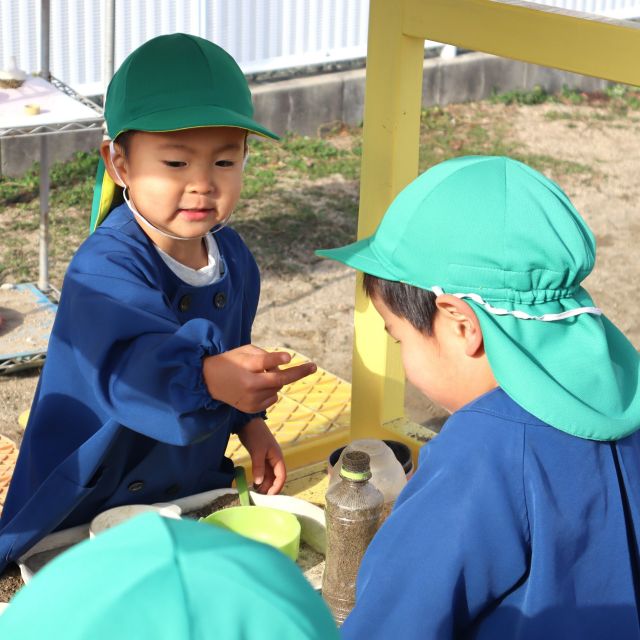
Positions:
(61, 110)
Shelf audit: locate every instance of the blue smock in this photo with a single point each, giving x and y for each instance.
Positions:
(121, 413)
(509, 529)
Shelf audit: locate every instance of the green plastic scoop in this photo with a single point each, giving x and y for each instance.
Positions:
(241, 484)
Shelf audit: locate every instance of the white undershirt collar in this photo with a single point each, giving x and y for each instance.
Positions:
(197, 277)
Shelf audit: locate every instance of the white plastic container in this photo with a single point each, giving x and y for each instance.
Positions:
(387, 474)
(117, 515)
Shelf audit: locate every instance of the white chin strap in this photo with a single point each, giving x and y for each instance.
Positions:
(141, 218)
(521, 315)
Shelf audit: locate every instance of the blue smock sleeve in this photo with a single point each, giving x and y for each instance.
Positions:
(144, 367)
(455, 544)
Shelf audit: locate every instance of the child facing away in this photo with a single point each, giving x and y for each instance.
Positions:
(522, 519)
(149, 367)
(155, 578)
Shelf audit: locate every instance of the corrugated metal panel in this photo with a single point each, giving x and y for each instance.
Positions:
(262, 35)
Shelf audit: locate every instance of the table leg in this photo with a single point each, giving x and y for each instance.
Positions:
(43, 272)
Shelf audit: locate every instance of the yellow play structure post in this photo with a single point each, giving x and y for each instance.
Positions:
(393, 97)
(390, 162)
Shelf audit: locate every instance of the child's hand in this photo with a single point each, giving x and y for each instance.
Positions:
(248, 378)
(269, 472)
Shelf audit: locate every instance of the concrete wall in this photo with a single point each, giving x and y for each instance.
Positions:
(307, 105)
(18, 154)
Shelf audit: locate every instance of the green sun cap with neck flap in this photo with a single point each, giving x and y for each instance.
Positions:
(508, 240)
(170, 83)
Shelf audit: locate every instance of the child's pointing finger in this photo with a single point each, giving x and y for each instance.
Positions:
(278, 378)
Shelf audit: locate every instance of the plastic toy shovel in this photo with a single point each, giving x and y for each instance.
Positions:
(241, 484)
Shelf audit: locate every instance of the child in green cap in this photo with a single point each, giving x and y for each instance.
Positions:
(149, 366)
(160, 579)
(523, 518)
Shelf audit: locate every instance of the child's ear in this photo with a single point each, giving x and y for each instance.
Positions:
(118, 160)
(462, 320)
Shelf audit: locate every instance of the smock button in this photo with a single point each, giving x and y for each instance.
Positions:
(135, 486)
(185, 303)
(219, 300)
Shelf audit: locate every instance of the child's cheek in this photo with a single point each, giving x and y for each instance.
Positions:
(412, 371)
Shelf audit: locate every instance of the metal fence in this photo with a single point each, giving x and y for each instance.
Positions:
(262, 35)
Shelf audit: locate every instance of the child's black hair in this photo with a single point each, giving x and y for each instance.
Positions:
(124, 141)
(416, 305)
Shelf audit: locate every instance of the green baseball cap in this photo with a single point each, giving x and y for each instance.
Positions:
(508, 240)
(173, 82)
(152, 577)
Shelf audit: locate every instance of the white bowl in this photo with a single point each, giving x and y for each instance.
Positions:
(115, 516)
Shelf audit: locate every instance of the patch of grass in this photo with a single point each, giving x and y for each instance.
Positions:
(572, 96)
(552, 166)
(317, 158)
(623, 98)
(24, 189)
(282, 213)
(573, 116)
(560, 115)
(629, 94)
(603, 117)
(537, 95)
(71, 183)
(455, 131)
(300, 194)
(452, 132)
(258, 181)
(618, 97)
(18, 259)
(284, 232)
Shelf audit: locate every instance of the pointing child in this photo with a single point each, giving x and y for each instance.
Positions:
(149, 366)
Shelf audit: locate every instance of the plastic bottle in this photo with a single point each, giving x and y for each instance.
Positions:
(387, 473)
(353, 508)
(12, 77)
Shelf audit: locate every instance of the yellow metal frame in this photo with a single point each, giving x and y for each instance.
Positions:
(393, 97)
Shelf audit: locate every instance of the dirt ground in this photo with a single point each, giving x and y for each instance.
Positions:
(311, 312)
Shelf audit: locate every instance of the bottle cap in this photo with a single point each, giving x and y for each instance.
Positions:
(356, 466)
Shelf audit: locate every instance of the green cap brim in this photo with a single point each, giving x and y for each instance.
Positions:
(360, 255)
(194, 117)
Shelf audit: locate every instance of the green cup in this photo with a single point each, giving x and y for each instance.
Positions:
(280, 529)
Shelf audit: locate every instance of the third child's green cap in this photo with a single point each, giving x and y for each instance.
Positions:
(509, 241)
(162, 579)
